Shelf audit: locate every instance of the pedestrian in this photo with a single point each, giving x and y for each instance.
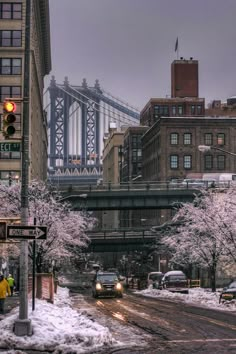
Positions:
(4, 289)
(11, 282)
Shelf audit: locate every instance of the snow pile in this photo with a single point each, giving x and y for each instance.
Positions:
(56, 327)
(196, 296)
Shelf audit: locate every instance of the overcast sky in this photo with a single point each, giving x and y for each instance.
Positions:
(129, 44)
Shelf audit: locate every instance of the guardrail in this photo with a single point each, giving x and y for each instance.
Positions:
(145, 186)
(121, 234)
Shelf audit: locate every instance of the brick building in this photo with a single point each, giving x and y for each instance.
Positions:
(171, 107)
(170, 147)
(184, 78)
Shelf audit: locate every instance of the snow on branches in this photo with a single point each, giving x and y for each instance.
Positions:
(65, 228)
(207, 231)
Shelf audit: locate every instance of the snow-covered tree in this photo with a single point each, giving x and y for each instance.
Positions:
(65, 229)
(206, 234)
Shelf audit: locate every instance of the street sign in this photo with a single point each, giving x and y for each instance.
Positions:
(33, 232)
(9, 146)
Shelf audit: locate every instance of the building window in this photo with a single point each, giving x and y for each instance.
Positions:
(161, 111)
(187, 138)
(174, 161)
(174, 110)
(208, 162)
(174, 138)
(199, 110)
(180, 110)
(9, 177)
(192, 110)
(9, 155)
(10, 11)
(221, 162)
(9, 91)
(10, 66)
(10, 38)
(220, 139)
(208, 139)
(187, 162)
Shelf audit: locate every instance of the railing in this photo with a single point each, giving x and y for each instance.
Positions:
(146, 186)
(103, 235)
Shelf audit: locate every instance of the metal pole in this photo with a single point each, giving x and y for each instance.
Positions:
(33, 272)
(23, 325)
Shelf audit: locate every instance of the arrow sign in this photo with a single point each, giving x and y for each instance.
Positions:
(33, 232)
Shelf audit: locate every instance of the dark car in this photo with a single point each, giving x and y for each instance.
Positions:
(175, 281)
(107, 284)
(229, 292)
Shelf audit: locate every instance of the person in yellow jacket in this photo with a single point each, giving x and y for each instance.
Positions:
(11, 283)
(4, 289)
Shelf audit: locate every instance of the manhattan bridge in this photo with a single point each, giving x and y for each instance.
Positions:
(78, 119)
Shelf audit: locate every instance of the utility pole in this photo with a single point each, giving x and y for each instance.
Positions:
(23, 324)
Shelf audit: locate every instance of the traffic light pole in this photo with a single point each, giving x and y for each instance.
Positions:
(23, 324)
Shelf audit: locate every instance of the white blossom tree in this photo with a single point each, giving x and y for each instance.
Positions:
(206, 234)
(65, 229)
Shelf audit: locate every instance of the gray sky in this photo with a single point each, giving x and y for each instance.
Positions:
(129, 44)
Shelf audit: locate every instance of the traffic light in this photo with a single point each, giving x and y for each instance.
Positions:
(9, 118)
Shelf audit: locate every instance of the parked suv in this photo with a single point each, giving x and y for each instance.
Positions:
(175, 281)
(107, 284)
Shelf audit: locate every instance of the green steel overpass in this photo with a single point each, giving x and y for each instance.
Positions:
(159, 195)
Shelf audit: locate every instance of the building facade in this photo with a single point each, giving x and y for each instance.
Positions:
(184, 78)
(12, 56)
(170, 147)
(171, 107)
(132, 154)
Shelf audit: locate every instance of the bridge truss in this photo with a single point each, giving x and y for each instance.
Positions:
(78, 119)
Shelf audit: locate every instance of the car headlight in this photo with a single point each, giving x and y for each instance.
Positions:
(98, 286)
(118, 286)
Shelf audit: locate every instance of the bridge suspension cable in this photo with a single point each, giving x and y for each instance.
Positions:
(102, 108)
(120, 100)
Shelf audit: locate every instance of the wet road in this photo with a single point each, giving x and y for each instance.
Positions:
(149, 326)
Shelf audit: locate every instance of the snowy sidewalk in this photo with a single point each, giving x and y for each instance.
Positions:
(57, 328)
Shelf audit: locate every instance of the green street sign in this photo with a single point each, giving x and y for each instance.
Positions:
(10, 146)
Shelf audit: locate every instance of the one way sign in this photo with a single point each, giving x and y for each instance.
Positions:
(32, 232)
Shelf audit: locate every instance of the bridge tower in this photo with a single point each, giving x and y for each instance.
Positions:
(62, 98)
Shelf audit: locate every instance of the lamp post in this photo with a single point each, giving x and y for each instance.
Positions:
(206, 148)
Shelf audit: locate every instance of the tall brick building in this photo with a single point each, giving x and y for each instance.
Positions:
(12, 50)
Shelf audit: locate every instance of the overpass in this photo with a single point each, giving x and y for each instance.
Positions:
(126, 196)
(120, 240)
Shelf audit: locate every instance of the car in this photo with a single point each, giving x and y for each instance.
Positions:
(229, 292)
(154, 279)
(106, 284)
(175, 281)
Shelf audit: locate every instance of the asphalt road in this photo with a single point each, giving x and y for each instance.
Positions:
(157, 326)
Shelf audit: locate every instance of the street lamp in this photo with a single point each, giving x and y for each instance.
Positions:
(206, 148)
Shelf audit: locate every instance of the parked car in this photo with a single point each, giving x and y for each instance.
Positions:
(154, 279)
(175, 281)
(106, 284)
(229, 292)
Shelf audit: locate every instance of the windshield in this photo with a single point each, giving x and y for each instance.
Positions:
(107, 277)
(177, 277)
(232, 285)
(155, 276)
